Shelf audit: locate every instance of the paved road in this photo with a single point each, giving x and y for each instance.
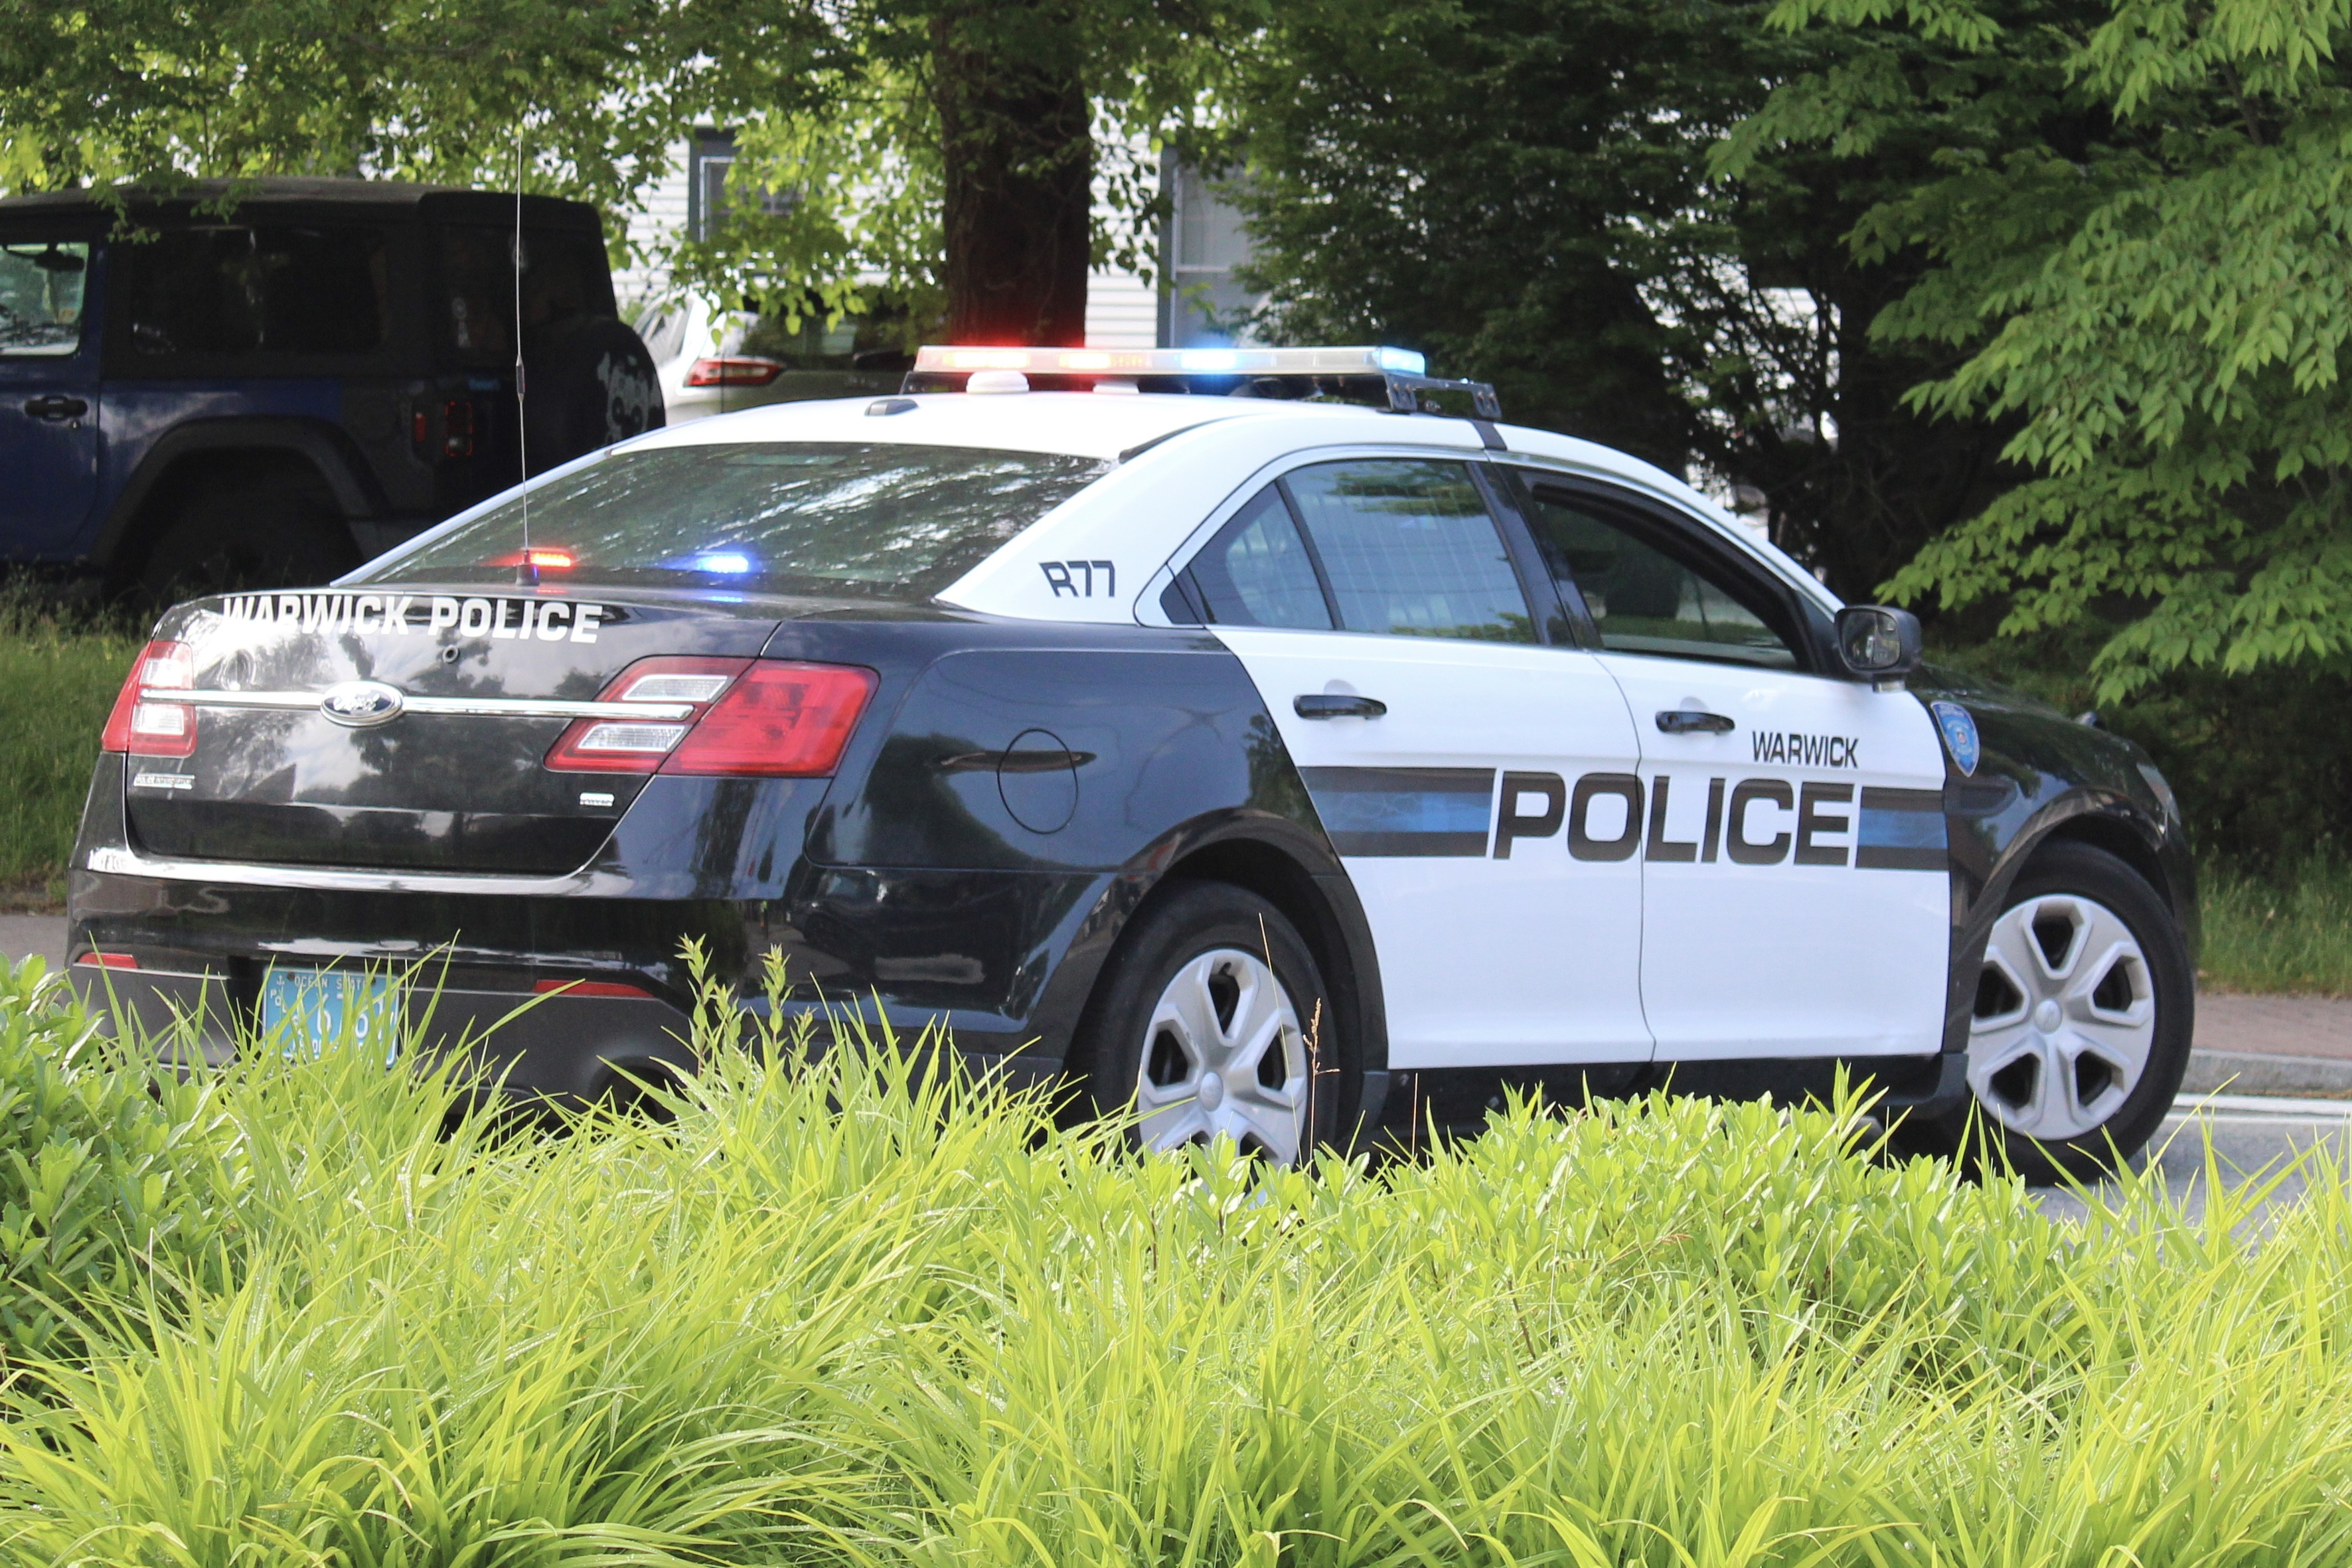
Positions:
(2251, 1134)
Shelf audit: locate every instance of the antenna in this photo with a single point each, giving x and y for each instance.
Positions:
(526, 570)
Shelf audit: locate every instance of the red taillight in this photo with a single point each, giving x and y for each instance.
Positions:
(778, 721)
(144, 721)
(109, 959)
(587, 988)
(457, 428)
(733, 370)
(758, 718)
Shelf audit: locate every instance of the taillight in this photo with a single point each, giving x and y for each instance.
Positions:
(759, 719)
(145, 720)
(457, 428)
(108, 960)
(733, 370)
(778, 721)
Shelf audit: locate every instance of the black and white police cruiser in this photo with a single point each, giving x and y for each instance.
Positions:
(1294, 761)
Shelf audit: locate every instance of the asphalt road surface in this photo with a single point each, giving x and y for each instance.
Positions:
(2251, 1134)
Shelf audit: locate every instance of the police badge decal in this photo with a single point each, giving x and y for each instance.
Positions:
(1958, 728)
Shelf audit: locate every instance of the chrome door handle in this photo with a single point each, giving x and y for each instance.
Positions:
(1322, 705)
(1693, 721)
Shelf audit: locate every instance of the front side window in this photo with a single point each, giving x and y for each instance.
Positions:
(40, 297)
(820, 519)
(1645, 599)
(270, 288)
(1407, 547)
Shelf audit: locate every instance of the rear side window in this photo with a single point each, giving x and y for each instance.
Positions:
(823, 519)
(40, 297)
(1256, 572)
(564, 275)
(1407, 547)
(272, 288)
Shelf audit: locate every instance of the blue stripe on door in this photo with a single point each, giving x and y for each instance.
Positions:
(1403, 811)
(1902, 830)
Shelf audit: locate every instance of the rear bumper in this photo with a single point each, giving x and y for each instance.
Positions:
(562, 1047)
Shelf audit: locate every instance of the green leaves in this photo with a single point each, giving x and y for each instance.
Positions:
(2149, 281)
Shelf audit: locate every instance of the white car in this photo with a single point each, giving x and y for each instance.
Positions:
(711, 362)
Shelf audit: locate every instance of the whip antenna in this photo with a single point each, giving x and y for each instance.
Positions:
(524, 565)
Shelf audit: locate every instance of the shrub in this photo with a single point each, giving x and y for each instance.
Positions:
(109, 1172)
(863, 1312)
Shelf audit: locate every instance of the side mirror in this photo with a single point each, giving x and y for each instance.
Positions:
(1877, 644)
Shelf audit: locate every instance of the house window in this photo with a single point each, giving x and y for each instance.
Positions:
(709, 159)
(1201, 242)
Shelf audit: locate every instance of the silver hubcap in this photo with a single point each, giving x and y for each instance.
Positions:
(2065, 1015)
(1223, 1056)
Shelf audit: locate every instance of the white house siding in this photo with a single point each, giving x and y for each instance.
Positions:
(1122, 309)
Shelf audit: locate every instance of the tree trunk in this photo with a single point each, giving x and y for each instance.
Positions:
(1014, 126)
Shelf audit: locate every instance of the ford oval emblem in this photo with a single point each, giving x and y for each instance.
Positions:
(362, 704)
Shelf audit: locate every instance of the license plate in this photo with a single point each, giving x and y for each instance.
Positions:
(319, 1008)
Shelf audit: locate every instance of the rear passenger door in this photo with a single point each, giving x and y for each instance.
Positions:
(1796, 899)
(1441, 725)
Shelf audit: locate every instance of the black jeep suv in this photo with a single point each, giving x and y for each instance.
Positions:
(269, 397)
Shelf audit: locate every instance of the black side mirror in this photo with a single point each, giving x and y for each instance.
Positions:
(1877, 644)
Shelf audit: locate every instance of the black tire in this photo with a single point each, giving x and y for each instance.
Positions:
(1188, 922)
(274, 533)
(588, 382)
(2070, 871)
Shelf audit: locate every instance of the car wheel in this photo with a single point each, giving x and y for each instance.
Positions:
(2085, 1006)
(284, 535)
(1212, 1021)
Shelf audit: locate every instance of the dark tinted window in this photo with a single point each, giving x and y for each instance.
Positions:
(40, 296)
(825, 519)
(563, 276)
(282, 288)
(1255, 573)
(1645, 600)
(1408, 547)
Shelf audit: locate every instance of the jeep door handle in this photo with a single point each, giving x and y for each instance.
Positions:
(56, 405)
(1322, 705)
(1694, 722)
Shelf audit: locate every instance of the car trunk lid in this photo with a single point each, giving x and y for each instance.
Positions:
(408, 729)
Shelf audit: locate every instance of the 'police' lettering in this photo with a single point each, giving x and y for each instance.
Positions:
(1550, 788)
(1747, 851)
(1592, 787)
(1660, 847)
(1812, 821)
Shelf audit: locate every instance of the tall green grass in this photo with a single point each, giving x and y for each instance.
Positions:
(2287, 930)
(59, 670)
(863, 1312)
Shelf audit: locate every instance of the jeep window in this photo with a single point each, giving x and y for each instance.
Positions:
(271, 289)
(40, 297)
(564, 275)
(830, 520)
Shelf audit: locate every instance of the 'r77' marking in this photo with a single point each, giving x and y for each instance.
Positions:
(1058, 575)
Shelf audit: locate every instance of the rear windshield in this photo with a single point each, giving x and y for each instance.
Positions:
(825, 519)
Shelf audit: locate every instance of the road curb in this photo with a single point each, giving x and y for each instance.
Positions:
(2249, 1072)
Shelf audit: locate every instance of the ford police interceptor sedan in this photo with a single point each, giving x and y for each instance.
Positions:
(1284, 767)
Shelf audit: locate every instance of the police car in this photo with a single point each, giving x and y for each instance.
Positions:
(1292, 764)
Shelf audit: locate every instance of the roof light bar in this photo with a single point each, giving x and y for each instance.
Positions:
(935, 359)
(1393, 378)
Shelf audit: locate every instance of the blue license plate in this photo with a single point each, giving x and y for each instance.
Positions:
(318, 1008)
